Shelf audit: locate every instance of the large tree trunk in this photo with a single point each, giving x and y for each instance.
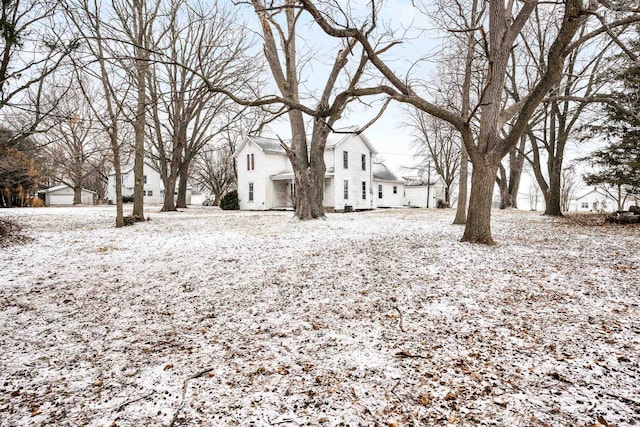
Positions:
(478, 225)
(77, 194)
(461, 209)
(552, 197)
(309, 172)
(138, 164)
(181, 202)
(169, 182)
(118, 171)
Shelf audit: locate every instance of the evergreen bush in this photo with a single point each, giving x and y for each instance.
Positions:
(229, 201)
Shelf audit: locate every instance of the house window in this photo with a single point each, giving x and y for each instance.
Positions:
(595, 206)
(604, 204)
(144, 193)
(251, 165)
(346, 189)
(345, 160)
(145, 178)
(585, 205)
(380, 191)
(395, 189)
(150, 193)
(364, 162)
(251, 191)
(364, 190)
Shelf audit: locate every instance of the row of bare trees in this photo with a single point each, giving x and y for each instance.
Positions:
(167, 81)
(493, 116)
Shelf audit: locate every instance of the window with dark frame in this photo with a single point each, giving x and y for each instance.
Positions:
(345, 160)
(364, 162)
(395, 189)
(346, 189)
(251, 191)
(253, 164)
(364, 190)
(380, 191)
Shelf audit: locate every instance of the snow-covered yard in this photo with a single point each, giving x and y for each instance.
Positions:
(211, 318)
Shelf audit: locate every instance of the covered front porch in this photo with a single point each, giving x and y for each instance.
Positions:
(284, 190)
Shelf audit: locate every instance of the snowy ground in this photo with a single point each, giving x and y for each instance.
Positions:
(211, 318)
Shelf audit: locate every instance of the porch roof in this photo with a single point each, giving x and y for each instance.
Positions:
(288, 176)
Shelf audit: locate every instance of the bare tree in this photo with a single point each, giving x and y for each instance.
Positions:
(504, 25)
(279, 23)
(551, 127)
(214, 166)
(135, 32)
(97, 63)
(569, 186)
(509, 182)
(33, 46)
(214, 171)
(186, 114)
(76, 146)
(438, 143)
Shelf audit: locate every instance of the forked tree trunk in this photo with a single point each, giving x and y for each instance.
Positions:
(168, 204)
(309, 174)
(181, 202)
(308, 197)
(478, 225)
(461, 210)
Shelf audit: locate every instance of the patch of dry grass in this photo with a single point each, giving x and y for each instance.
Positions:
(585, 219)
(10, 232)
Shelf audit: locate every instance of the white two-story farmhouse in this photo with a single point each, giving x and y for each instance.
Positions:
(352, 180)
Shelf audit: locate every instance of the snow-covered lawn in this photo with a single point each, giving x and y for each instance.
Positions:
(211, 318)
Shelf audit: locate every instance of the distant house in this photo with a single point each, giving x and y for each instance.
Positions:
(266, 180)
(420, 193)
(389, 190)
(153, 192)
(598, 200)
(62, 195)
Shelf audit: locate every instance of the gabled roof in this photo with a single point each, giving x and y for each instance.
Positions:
(62, 187)
(267, 145)
(340, 135)
(125, 169)
(596, 190)
(382, 173)
(273, 145)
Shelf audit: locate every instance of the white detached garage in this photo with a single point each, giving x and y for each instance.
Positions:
(62, 195)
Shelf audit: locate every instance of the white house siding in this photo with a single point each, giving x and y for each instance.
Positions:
(63, 196)
(416, 196)
(267, 193)
(272, 174)
(256, 176)
(329, 196)
(389, 199)
(353, 174)
(598, 201)
(153, 186)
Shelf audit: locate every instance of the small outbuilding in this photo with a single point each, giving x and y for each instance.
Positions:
(62, 195)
